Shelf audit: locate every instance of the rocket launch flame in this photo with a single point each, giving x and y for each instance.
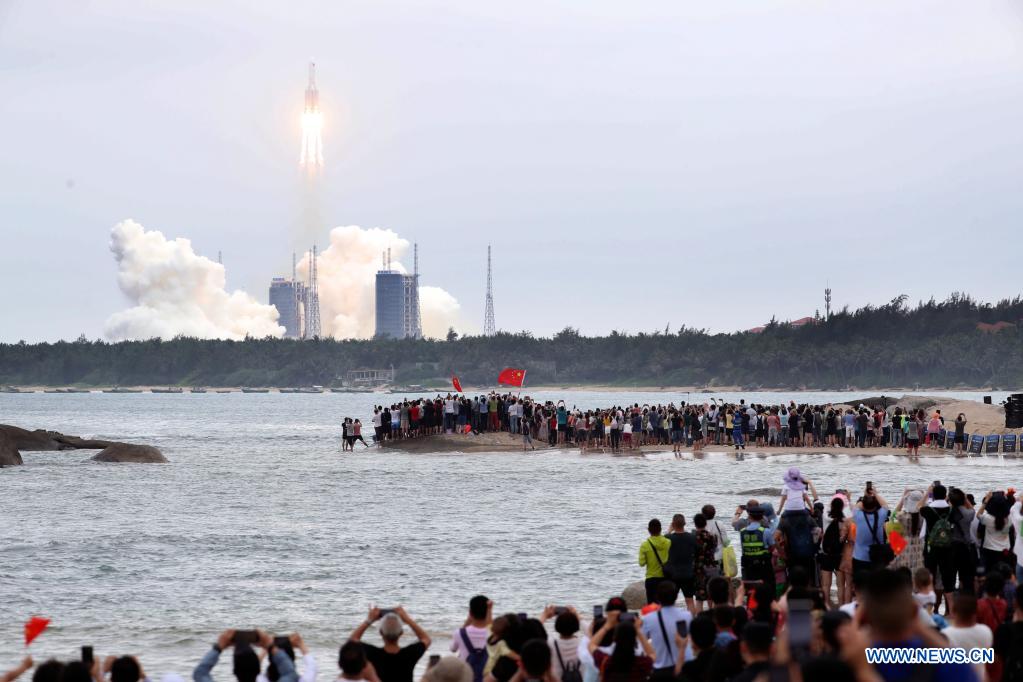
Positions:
(312, 128)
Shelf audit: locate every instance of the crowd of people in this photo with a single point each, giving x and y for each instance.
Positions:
(808, 587)
(692, 426)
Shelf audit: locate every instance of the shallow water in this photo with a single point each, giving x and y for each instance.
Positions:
(260, 521)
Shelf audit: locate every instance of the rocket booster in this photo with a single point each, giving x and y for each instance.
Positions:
(312, 95)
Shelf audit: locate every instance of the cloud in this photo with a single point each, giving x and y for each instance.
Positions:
(347, 279)
(175, 291)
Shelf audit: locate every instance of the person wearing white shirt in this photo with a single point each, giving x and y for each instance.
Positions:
(966, 633)
(660, 626)
(994, 515)
(1016, 518)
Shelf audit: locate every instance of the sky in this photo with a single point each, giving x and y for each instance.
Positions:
(633, 165)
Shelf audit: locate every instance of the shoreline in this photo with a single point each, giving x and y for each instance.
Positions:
(502, 442)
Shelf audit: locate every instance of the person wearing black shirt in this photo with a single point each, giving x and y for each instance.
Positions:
(680, 559)
(756, 651)
(392, 662)
(702, 632)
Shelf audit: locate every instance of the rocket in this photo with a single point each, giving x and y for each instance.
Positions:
(312, 95)
(311, 158)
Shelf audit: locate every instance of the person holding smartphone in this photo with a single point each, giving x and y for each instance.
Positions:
(661, 625)
(246, 662)
(392, 662)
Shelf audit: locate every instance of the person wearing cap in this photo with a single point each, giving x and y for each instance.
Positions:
(739, 521)
(392, 662)
(756, 539)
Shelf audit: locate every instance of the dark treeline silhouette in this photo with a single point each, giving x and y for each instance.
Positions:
(935, 344)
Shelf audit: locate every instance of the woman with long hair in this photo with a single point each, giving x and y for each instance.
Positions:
(993, 515)
(623, 664)
(835, 561)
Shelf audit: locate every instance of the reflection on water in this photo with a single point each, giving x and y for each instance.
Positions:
(260, 521)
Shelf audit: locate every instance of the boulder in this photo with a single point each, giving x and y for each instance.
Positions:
(9, 455)
(129, 452)
(635, 595)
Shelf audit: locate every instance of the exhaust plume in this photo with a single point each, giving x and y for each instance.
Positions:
(347, 278)
(177, 292)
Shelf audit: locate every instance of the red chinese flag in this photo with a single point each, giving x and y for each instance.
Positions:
(511, 376)
(34, 627)
(456, 383)
(897, 542)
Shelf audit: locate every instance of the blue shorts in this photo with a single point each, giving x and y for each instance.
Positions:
(676, 435)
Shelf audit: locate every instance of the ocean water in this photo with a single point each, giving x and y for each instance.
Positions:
(260, 521)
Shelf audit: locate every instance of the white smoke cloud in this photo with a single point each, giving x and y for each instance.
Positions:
(177, 292)
(347, 279)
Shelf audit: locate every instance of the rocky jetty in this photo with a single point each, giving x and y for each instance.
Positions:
(14, 440)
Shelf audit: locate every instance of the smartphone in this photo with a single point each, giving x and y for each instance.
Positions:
(870, 485)
(87, 655)
(249, 637)
(523, 616)
(627, 617)
(683, 628)
(385, 612)
(434, 659)
(283, 642)
(742, 507)
(558, 610)
(598, 611)
(800, 627)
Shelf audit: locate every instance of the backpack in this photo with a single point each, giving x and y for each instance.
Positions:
(832, 543)
(477, 658)
(940, 536)
(570, 672)
(800, 542)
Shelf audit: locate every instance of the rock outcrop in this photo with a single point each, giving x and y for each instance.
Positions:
(130, 453)
(14, 439)
(9, 454)
(635, 595)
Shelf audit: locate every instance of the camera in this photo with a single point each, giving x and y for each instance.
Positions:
(249, 637)
(558, 610)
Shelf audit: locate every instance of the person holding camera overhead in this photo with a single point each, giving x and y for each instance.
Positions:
(246, 661)
(392, 662)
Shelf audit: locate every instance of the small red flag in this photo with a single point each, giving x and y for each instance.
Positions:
(897, 542)
(34, 627)
(511, 376)
(468, 428)
(456, 383)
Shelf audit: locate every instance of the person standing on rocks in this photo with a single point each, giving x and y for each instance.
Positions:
(653, 554)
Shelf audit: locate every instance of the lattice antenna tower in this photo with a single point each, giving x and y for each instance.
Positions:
(827, 301)
(313, 313)
(417, 318)
(489, 328)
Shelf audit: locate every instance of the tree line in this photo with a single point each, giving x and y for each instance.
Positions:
(933, 344)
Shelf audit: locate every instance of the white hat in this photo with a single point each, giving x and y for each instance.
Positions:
(914, 500)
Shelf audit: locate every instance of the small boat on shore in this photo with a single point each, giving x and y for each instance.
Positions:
(173, 389)
(118, 389)
(223, 390)
(255, 390)
(198, 389)
(11, 389)
(348, 389)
